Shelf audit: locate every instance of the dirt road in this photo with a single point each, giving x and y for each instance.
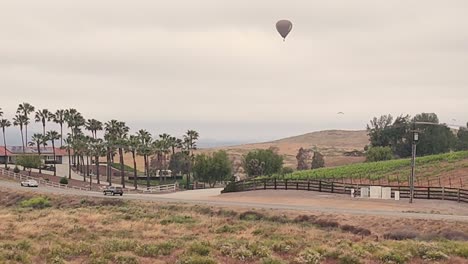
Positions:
(286, 200)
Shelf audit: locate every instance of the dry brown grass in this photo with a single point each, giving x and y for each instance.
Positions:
(143, 232)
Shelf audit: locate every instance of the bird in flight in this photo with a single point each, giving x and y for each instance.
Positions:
(340, 113)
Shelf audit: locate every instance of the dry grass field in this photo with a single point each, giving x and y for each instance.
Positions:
(58, 229)
(332, 143)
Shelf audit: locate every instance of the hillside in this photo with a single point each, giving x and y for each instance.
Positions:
(450, 170)
(332, 143)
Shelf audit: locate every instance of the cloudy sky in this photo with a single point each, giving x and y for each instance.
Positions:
(220, 67)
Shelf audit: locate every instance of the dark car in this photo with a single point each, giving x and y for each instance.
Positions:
(113, 190)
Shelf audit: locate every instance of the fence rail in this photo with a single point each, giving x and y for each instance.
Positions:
(420, 192)
(22, 177)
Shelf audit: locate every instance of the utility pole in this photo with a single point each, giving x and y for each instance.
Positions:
(413, 161)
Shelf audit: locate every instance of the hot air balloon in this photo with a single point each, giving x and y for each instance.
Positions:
(284, 27)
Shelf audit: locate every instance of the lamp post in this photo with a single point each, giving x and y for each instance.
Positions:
(413, 163)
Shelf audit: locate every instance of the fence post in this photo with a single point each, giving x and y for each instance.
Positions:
(320, 186)
(286, 184)
(332, 188)
(297, 186)
(458, 200)
(275, 183)
(308, 185)
(255, 184)
(264, 184)
(428, 193)
(443, 193)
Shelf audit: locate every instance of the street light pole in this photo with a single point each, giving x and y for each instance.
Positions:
(413, 162)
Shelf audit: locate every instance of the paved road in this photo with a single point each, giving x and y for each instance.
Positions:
(208, 197)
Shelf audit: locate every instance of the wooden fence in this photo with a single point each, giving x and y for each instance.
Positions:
(420, 192)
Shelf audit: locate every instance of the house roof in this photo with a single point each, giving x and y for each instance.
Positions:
(3, 150)
(17, 150)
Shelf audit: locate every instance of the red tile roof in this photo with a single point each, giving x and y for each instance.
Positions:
(2, 152)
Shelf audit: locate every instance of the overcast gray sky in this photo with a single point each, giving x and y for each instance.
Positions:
(221, 68)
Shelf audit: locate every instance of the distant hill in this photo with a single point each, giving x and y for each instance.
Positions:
(333, 144)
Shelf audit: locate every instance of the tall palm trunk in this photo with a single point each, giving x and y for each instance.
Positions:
(4, 144)
(87, 166)
(61, 137)
(69, 163)
(97, 170)
(109, 177)
(145, 157)
(122, 168)
(39, 153)
(22, 139)
(55, 158)
(135, 183)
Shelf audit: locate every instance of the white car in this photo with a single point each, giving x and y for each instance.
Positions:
(30, 183)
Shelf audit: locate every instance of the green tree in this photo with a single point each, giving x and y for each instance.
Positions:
(5, 123)
(212, 168)
(98, 149)
(262, 162)
(433, 139)
(180, 163)
(379, 154)
(29, 162)
(317, 160)
(52, 136)
(37, 140)
(302, 157)
(462, 136)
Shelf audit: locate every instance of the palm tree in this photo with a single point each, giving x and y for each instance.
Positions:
(43, 116)
(145, 150)
(98, 149)
(133, 144)
(20, 120)
(52, 136)
(93, 125)
(4, 123)
(25, 109)
(190, 142)
(59, 118)
(163, 147)
(68, 146)
(75, 121)
(37, 140)
(190, 139)
(117, 133)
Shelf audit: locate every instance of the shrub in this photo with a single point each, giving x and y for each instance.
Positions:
(178, 219)
(309, 256)
(356, 230)
(251, 216)
(63, 180)
(201, 249)
(36, 202)
(270, 260)
(154, 250)
(287, 170)
(126, 260)
(401, 235)
(16, 169)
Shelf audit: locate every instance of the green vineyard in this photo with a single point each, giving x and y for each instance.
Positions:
(428, 168)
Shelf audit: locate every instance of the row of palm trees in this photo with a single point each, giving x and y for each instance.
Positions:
(84, 149)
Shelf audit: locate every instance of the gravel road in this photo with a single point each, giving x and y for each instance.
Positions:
(212, 197)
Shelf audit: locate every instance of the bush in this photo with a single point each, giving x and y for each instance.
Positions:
(401, 235)
(379, 154)
(16, 169)
(201, 249)
(287, 170)
(63, 180)
(317, 161)
(36, 203)
(251, 216)
(356, 230)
